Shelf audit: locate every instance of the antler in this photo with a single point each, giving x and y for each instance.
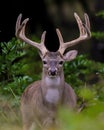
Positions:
(20, 33)
(84, 30)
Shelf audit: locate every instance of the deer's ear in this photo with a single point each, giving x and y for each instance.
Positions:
(70, 55)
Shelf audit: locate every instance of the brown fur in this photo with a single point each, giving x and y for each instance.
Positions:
(34, 109)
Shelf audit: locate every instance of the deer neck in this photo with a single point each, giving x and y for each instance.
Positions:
(52, 88)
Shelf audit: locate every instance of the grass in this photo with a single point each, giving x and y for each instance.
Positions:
(10, 127)
(9, 114)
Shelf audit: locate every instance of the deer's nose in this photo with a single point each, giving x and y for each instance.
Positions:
(52, 72)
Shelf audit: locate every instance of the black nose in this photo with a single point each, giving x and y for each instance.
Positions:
(53, 72)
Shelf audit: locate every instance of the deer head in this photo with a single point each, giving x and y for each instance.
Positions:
(60, 56)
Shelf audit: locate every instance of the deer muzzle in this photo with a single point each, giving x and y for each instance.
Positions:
(52, 72)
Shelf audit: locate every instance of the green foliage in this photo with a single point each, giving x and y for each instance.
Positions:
(13, 68)
(82, 70)
(86, 77)
(10, 53)
(90, 118)
(100, 14)
(99, 35)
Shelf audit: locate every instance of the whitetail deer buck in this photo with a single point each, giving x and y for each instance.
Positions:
(41, 100)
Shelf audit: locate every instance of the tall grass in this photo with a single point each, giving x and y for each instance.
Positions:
(9, 113)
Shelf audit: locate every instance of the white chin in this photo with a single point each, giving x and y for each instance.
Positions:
(52, 76)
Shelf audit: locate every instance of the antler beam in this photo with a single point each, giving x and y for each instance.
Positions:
(84, 30)
(20, 33)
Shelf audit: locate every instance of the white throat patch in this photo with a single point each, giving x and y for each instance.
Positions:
(52, 95)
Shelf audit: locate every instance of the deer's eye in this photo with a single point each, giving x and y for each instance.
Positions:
(61, 62)
(44, 62)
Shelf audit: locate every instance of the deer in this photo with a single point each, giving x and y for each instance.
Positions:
(41, 100)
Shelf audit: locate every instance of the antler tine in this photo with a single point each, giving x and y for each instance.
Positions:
(80, 24)
(20, 28)
(84, 30)
(18, 24)
(61, 47)
(59, 36)
(20, 33)
(87, 24)
(43, 37)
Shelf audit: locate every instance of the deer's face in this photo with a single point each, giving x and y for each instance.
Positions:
(52, 64)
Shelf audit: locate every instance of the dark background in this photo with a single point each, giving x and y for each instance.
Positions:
(49, 15)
